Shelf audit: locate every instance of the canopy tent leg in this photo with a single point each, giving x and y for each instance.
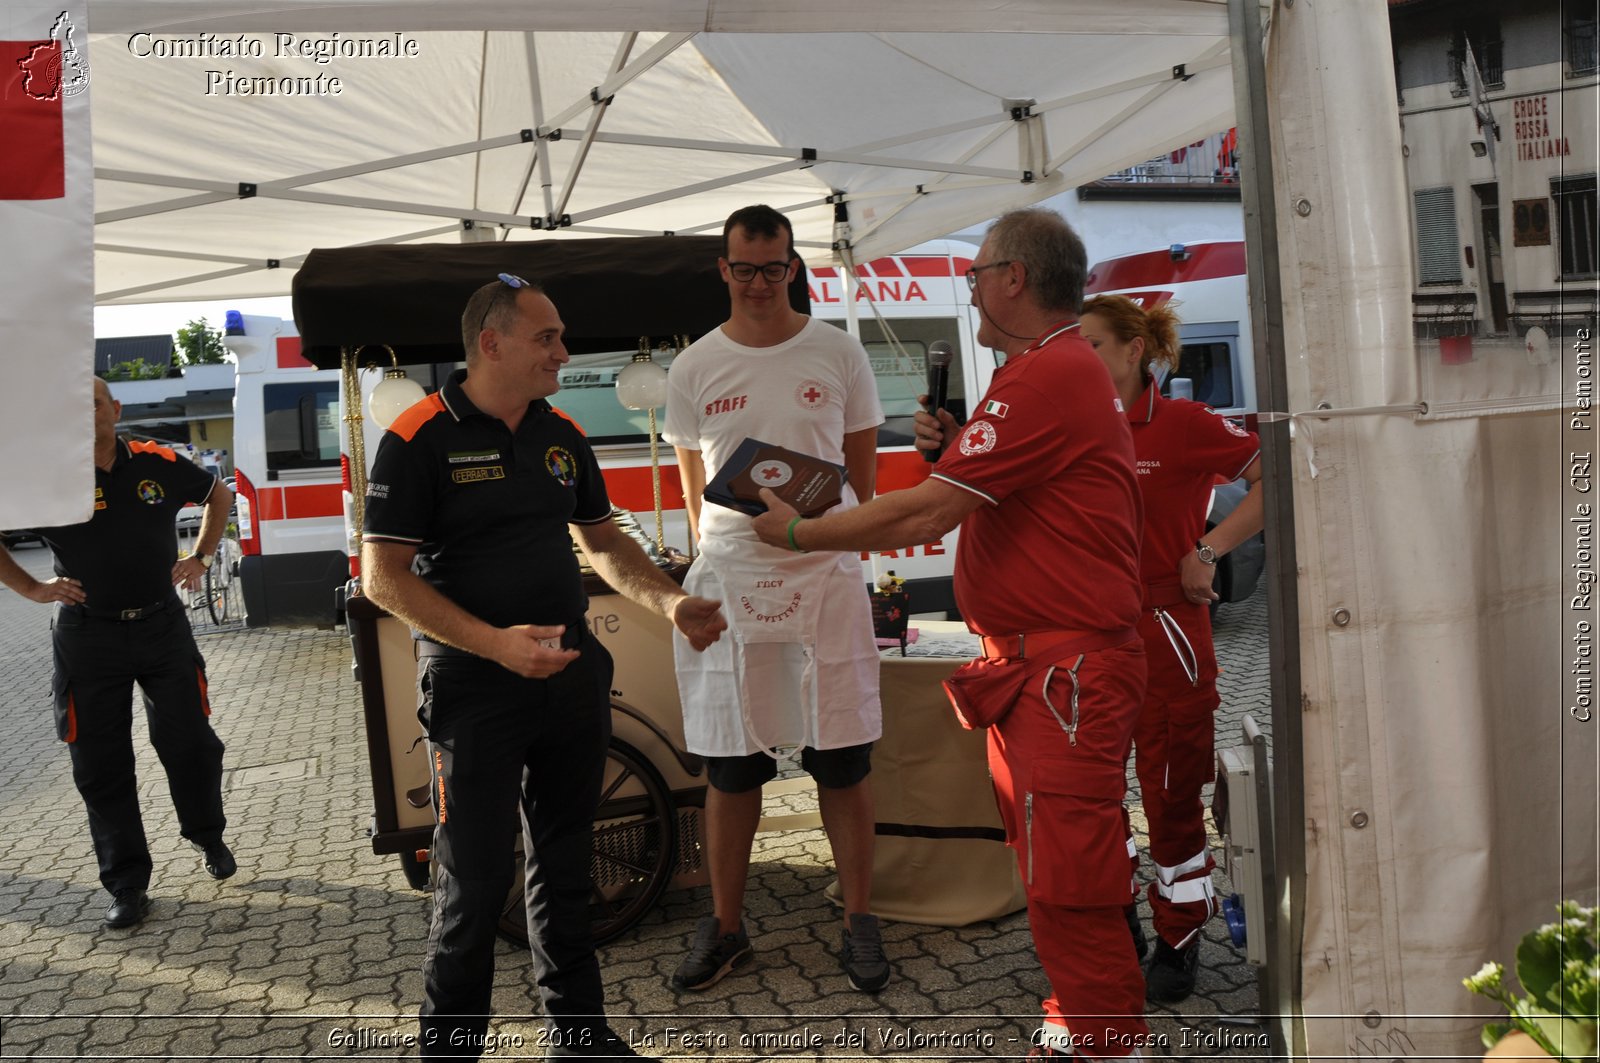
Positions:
(1283, 863)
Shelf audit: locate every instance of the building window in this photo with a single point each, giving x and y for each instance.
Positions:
(1487, 51)
(1438, 242)
(1582, 58)
(1575, 216)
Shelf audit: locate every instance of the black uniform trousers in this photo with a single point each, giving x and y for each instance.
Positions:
(499, 742)
(97, 662)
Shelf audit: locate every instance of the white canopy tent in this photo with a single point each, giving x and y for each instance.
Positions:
(1426, 651)
(543, 122)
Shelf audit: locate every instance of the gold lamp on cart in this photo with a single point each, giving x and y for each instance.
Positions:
(394, 394)
(642, 385)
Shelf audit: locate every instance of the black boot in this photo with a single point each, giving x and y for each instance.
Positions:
(1170, 979)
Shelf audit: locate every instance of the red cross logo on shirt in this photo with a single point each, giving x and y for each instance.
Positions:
(811, 394)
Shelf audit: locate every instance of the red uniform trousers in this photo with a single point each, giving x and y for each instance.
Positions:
(1060, 779)
(1173, 758)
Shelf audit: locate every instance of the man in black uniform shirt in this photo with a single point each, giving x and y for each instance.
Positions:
(467, 540)
(118, 621)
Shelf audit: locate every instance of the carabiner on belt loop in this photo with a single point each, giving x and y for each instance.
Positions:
(1072, 673)
(1180, 646)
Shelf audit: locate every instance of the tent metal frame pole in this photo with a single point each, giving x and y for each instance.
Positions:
(941, 183)
(852, 156)
(597, 114)
(285, 262)
(689, 190)
(193, 256)
(641, 140)
(890, 163)
(999, 120)
(123, 293)
(227, 190)
(738, 148)
(541, 146)
(608, 88)
(1284, 861)
(1213, 58)
(166, 206)
(1150, 96)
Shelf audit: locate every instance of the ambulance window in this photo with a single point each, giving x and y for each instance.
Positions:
(1209, 366)
(302, 425)
(902, 373)
(588, 395)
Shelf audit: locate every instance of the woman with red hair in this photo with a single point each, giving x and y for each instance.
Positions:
(1183, 448)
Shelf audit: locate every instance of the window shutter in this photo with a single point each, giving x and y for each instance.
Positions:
(1438, 243)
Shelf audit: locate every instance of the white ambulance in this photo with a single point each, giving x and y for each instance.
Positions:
(1205, 282)
(287, 454)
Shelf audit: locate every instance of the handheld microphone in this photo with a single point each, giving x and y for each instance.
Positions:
(940, 355)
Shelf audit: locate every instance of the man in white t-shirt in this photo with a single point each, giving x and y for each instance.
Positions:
(801, 668)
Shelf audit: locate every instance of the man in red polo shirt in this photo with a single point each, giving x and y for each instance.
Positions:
(1042, 482)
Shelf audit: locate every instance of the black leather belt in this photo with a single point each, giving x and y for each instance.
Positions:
(570, 638)
(141, 613)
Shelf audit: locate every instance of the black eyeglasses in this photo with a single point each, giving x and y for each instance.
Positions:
(972, 273)
(510, 280)
(744, 272)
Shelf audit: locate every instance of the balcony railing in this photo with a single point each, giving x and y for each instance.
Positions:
(1214, 160)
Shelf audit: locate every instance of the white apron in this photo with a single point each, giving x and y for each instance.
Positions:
(798, 665)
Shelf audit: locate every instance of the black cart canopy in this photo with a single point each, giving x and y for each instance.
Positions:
(609, 291)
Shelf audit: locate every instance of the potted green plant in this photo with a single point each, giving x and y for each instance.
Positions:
(1560, 978)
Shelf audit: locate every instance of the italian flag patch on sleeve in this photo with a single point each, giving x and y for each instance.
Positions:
(995, 409)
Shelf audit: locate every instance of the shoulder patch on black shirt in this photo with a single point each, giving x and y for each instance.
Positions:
(143, 447)
(405, 426)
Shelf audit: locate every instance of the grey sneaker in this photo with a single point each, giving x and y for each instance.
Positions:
(712, 955)
(862, 954)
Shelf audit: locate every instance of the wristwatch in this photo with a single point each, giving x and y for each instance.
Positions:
(206, 560)
(1205, 553)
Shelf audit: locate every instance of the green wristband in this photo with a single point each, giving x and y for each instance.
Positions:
(792, 544)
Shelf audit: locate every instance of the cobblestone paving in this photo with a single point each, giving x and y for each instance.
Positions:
(314, 948)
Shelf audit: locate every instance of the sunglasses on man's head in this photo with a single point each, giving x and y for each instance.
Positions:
(510, 280)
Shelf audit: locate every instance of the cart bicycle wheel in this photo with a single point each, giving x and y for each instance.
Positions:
(221, 586)
(635, 846)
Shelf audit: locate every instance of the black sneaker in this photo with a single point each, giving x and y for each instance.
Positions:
(218, 859)
(1170, 979)
(128, 908)
(861, 953)
(1141, 946)
(712, 955)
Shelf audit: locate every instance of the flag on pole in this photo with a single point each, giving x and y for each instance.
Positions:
(1482, 117)
(47, 274)
(33, 164)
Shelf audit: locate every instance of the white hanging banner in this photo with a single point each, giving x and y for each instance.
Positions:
(47, 273)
